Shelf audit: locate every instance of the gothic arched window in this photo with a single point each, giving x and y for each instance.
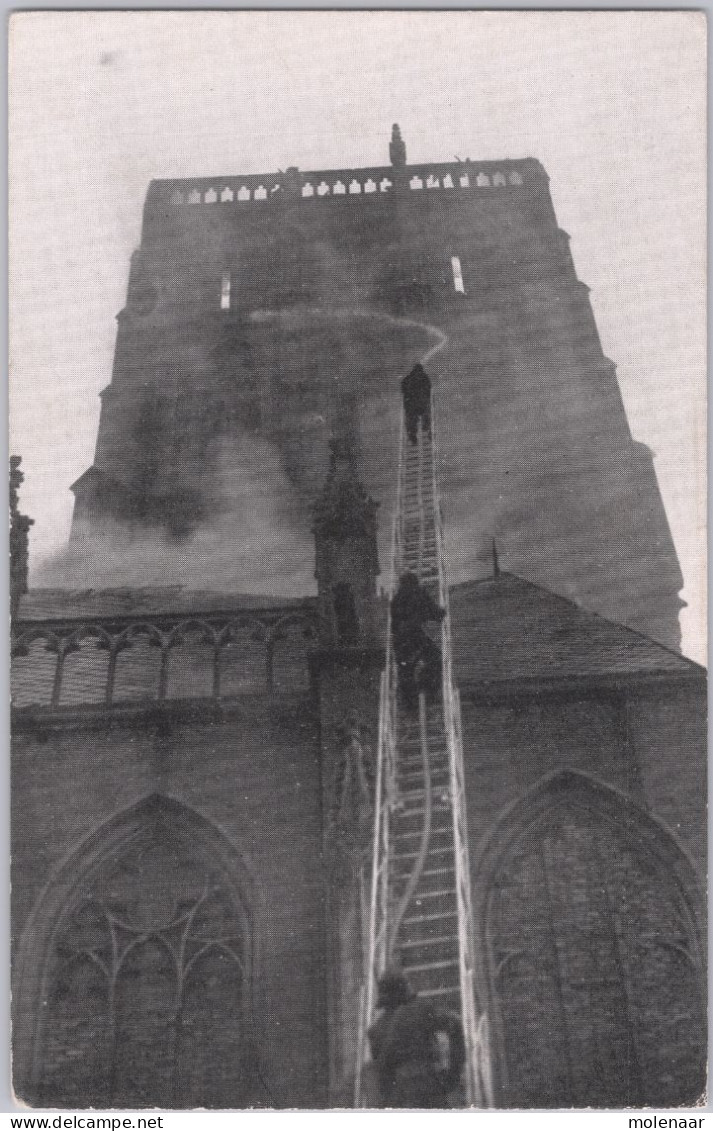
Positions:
(595, 969)
(146, 997)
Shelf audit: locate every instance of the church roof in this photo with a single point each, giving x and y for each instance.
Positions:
(508, 629)
(168, 600)
(505, 629)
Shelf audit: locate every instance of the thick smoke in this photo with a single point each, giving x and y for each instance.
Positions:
(530, 448)
(257, 540)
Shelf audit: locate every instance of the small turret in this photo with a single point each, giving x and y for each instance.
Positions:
(397, 148)
(19, 539)
(346, 557)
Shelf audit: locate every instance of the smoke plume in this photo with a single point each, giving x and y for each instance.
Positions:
(257, 540)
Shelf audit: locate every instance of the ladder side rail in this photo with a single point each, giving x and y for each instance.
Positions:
(397, 550)
(421, 509)
(398, 528)
(381, 954)
(380, 901)
(451, 715)
(376, 867)
(478, 1022)
(385, 787)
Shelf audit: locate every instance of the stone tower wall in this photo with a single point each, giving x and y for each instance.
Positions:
(279, 310)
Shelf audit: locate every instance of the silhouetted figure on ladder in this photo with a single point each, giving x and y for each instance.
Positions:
(416, 393)
(418, 1049)
(417, 657)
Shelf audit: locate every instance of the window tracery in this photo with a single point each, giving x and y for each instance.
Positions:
(594, 960)
(148, 979)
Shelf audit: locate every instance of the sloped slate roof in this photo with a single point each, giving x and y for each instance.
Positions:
(170, 600)
(506, 628)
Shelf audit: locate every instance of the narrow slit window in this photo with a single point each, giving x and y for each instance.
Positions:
(225, 291)
(457, 275)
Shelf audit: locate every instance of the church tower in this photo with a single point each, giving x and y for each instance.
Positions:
(262, 307)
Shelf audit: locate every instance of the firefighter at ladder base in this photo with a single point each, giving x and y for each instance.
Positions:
(418, 658)
(417, 1048)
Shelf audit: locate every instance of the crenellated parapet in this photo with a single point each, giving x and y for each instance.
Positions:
(326, 184)
(119, 661)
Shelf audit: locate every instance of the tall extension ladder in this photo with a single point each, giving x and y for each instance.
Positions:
(420, 916)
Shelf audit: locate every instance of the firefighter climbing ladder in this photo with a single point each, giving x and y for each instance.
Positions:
(419, 915)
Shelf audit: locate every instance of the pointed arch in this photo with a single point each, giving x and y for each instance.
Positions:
(192, 660)
(616, 808)
(36, 662)
(150, 917)
(22, 642)
(590, 922)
